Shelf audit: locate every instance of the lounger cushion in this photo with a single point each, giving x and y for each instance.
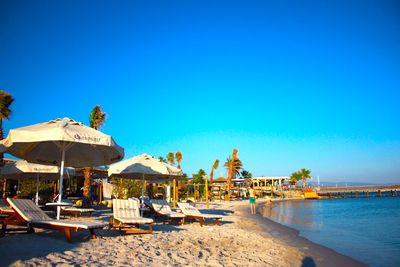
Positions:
(140, 220)
(69, 223)
(75, 209)
(162, 207)
(173, 214)
(127, 211)
(189, 210)
(27, 209)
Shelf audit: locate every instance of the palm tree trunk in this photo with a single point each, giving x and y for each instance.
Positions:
(211, 176)
(87, 172)
(228, 182)
(4, 187)
(1, 138)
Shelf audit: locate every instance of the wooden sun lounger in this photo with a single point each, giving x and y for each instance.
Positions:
(75, 210)
(126, 217)
(9, 217)
(193, 213)
(162, 208)
(26, 211)
(5, 208)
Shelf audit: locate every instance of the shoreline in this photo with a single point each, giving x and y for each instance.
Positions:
(316, 254)
(242, 240)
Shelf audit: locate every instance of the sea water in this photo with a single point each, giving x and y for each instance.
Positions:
(366, 229)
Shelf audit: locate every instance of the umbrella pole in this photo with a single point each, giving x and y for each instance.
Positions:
(141, 201)
(4, 187)
(37, 190)
(207, 192)
(174, 194)
(61, 181)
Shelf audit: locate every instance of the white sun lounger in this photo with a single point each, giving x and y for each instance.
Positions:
(126, 217)
(193, 213)
(27, 211)
(161, 207)
(75, 210)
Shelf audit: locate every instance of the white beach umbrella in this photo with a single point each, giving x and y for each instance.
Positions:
(144, 167)
(22, 169)
(62, 142)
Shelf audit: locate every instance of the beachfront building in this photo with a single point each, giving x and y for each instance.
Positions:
(269, 185)
(239, 189)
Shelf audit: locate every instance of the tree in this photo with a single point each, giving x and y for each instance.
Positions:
(97, 119)
(213, 168)
(162, 159)
(178, 156)
(246, 174)
(171, 158)
(198, 178)
(295, 177)
(305, 173)
(6, 100)
(233, 166)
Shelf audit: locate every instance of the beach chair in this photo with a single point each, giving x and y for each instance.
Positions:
(75, 210)
(193, 213)
(126, 217)
(147, 203)
(8, 217)
(27, 212)
(162, 208)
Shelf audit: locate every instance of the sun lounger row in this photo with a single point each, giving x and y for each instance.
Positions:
(162, 208)
(126, 217)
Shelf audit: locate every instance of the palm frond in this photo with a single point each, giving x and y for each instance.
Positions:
(6, 100)
(97, 117)
(171, 158)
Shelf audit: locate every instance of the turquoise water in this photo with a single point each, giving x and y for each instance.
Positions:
(366, 229)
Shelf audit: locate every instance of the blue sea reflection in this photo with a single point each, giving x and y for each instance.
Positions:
(366, 229)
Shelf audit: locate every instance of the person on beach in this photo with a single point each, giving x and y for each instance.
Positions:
(252, 199)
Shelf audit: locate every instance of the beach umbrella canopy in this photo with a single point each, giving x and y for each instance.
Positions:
(144, 166)
(43, 143)
(23, 169)
(62, 142)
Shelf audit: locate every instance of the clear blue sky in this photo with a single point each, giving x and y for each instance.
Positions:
(291, 84)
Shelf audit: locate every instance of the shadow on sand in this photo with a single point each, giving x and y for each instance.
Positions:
(45, 242)
(308, 262)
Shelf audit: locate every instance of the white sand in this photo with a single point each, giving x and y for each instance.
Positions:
(239, 241)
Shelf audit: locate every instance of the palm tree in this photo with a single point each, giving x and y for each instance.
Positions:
(234, 153)
(214, 167)
(171, 158)
(246, 174)
(6, 100)
(162, 159)
(305, 173)
(234, 167)
(97, 119)
(178, 156)
(295, 177)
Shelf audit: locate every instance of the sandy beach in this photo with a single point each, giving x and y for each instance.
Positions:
(242, 240)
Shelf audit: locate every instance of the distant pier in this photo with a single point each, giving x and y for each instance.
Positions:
(360, 191)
